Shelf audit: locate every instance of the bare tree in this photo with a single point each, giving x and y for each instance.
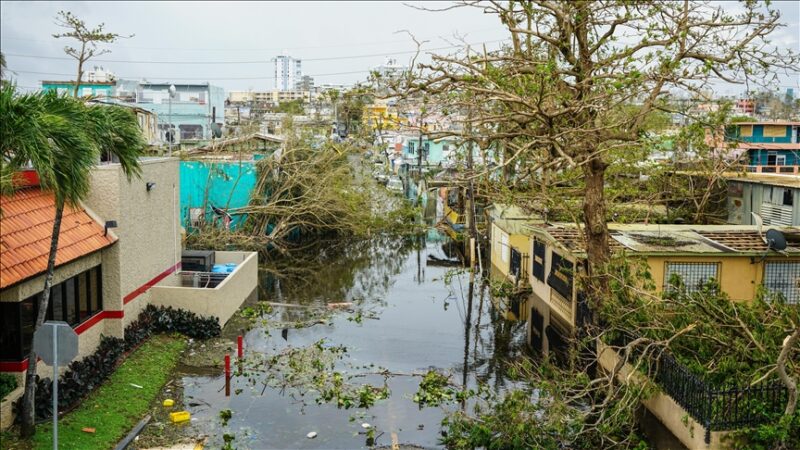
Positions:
(88, 39)
(578, 80)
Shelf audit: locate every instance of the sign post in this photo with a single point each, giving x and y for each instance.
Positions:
(55, 342)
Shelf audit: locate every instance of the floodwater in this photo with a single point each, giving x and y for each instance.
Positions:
(406, 318)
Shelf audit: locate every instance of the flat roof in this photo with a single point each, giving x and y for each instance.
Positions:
(769, 179)
(774, 122)
(655, 239)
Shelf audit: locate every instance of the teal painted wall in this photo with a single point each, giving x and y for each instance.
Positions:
(733, 133)
(99, 90)
(221, 178)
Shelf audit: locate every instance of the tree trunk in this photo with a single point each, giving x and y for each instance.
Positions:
(28, 405)
(596, 230)
(80, 70)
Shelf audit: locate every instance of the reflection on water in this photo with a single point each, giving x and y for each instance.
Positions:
(416, 321)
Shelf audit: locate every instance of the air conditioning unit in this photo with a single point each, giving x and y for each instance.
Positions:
(197, 260)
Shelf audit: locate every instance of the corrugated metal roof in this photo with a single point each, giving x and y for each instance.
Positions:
(26, 225)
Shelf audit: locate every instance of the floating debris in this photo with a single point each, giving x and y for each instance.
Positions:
(311, 435)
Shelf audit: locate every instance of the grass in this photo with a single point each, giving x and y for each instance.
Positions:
(116, 406)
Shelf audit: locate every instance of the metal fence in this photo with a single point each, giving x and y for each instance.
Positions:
(717, 408)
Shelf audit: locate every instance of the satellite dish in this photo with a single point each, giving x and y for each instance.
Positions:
(759, 223)
(776, 240)
(216, 130)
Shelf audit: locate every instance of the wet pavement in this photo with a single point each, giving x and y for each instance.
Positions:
(406, 316)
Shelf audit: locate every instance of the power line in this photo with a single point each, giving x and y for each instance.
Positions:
(330, 58)
(191, 78)
(355, 44)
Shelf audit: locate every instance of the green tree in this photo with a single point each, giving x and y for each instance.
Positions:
(577, 82)
(62, 138)
(88, 39)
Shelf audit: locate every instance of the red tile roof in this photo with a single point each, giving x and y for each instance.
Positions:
(26, 225)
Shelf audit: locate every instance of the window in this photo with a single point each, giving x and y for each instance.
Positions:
(788, 197)
(772, 158)
(746, 130)
(776, 131)
(538, 259)
(410, 147)
(515, 268)
(191, 131)
(780, 160)
(783, 277)
(73, 301)
(689, 276)
(561, 275)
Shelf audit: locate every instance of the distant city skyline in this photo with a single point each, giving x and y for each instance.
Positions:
(233, 44)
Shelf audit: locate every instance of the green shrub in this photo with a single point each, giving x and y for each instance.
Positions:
(86, 374)
(8, 383)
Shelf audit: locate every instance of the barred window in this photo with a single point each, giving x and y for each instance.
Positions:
(783, 277)
(689, 276)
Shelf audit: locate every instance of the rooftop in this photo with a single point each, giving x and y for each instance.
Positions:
(26, 226)
(671, 239)
(769, 122)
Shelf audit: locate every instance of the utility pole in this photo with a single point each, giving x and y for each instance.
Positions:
(473, 229)
(419, 150)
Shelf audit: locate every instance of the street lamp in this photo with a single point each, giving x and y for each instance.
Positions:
(171, 133)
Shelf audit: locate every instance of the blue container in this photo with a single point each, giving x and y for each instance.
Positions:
(219, 268)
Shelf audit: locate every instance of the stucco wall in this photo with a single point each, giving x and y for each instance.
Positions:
(671, 414)
(148, 229)
(221, 301)
(739, 277)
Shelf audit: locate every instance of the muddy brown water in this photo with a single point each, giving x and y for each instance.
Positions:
(411, 321)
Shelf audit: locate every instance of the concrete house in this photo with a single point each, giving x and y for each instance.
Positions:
(118, 252)
(194, 108)
(735, 256)
(767, 147)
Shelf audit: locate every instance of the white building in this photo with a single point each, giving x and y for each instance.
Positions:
(288, 72)
(390, 68)
(100, 75)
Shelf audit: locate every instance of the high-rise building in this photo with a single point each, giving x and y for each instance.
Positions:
(288, 72)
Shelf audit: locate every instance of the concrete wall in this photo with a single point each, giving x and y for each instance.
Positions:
(667, 411)
(221, 301)
(148, 230)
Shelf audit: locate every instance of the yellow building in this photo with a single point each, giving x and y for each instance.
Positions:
(384, 117)
(734, 256)
(510, 253)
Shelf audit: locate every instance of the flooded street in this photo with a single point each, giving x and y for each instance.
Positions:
(409, 314)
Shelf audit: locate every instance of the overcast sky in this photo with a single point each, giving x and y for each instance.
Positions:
(326, 35)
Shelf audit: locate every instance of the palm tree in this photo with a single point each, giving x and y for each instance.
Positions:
(61, 138)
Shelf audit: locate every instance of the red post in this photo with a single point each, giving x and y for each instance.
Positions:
(227, 375)
(240, 346)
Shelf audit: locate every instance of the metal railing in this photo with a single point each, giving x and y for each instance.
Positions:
(208, 280)
(718, 408)
(785, 169)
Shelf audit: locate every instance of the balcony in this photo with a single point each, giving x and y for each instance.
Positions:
(778, 169)
(217, 294)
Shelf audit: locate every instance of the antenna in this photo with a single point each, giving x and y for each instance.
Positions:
(759, 222)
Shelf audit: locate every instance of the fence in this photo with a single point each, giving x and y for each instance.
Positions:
(719, 408)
